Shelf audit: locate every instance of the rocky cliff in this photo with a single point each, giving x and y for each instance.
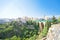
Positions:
(54, 32)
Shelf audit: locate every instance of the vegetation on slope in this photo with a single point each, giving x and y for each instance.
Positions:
(18, 31)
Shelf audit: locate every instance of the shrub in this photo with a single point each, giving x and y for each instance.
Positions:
(15, 38)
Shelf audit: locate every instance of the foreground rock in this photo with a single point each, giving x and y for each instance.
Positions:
(54, 32)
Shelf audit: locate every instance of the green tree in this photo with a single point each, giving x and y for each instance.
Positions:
(54, 20)
(59, 19)
(29, 22)
(48, 24)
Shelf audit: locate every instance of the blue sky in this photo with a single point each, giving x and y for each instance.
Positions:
(31, 8)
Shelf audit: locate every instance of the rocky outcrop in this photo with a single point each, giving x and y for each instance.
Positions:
(54, 32)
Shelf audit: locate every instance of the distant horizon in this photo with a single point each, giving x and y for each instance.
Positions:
(28, 17)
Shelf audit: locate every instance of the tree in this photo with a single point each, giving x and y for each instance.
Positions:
(48, 24)
(59, 19)
(29, 22)
(54, 20)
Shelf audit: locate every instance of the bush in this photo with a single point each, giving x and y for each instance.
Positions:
(15, 38)
(44, 32)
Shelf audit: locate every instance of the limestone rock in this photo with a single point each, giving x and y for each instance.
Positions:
(54, 32)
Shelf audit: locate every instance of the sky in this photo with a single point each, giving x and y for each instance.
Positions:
(30, 8)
